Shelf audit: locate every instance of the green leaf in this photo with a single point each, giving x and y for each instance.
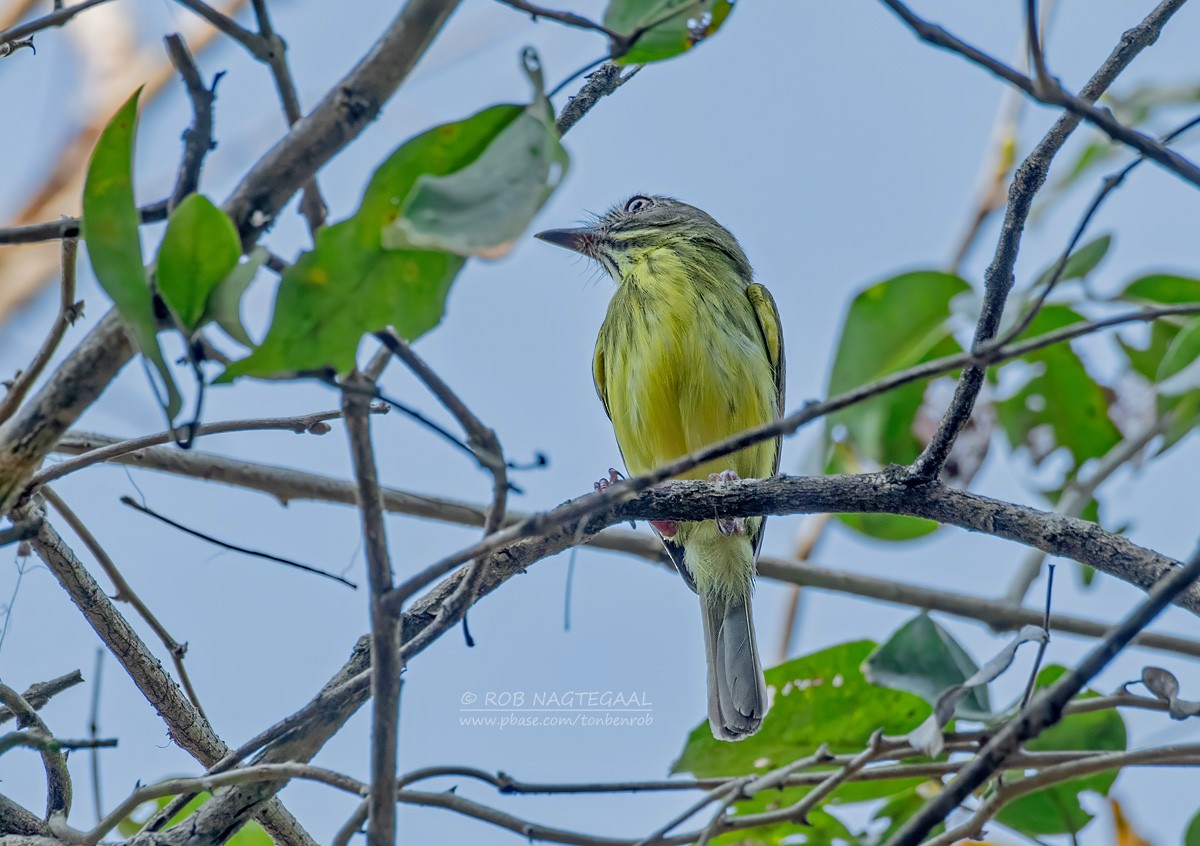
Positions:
(1179, 371)
(664, 28)
(1079, 263)
(110, 227)
(890, 326)
(1162, 289)
(923, 658)
(1191, 835)
(483, 208)
(819, 698)
(349, 284)
(200, 247)
(251, 834)
(224, 305)
(1146, 361)
(1056, 810)
(1062, 400)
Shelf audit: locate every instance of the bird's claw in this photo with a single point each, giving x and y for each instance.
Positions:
(614, 476)
(728, 526)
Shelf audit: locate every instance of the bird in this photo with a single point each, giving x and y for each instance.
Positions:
(691, 352)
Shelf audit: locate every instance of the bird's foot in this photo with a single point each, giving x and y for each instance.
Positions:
(614, 476)
(728, 526)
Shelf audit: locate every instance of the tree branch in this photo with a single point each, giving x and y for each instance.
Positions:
(1045, 709)
(1029, 178)
(386, 666)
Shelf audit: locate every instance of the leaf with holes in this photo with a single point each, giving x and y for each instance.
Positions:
(664, 28)
(110, 228)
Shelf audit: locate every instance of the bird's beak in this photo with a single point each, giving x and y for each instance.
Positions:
(579, 240)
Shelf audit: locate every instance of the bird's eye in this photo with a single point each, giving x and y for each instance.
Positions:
(638, 203)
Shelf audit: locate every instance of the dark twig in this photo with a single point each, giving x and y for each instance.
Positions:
(1044, 642)
(618, 43)
(232, 547)
(1055, 95)
(1029, 178)
(39, 694)
(94, 732)
(312, 205)
(125, 593)
(69, 227)
(58, 780)
(19, 531)
(1107, 186)
(484, 444)
(385, 630)
(198, 138)
(56, 18)
(1045, 709)
(600, 83)
(227, 26)
(68, 312)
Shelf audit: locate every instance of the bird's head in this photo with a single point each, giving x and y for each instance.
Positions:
(644, 225)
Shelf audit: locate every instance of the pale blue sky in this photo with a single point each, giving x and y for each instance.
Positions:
(837, 148)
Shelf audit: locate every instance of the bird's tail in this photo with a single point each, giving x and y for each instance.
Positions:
(737, 692)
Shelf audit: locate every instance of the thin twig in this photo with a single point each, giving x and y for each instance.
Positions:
(313, 424)
(385, 631)
(39, 694)
(68, 312)
(94, 732)
(1045, 709)
(197, 138)
(55, 18)
(125, 593)
(312, 205)
(255, 553)
(58, 780)
(1053, 94)
(1028, 179)
(1076, 496)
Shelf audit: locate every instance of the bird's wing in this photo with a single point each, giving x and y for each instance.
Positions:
(772, 335)
(674, 550)
(767, 316)
(599, 378)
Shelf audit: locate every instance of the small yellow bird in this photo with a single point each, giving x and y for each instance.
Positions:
(690, 353)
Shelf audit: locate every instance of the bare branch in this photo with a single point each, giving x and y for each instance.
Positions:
(186, 725)
(39, 694)
(1029, 178)
(386, 664)
(58, 780)
(55, 18)
(1045, 709)
(68, 312)
(312, 424)
(197, 138)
